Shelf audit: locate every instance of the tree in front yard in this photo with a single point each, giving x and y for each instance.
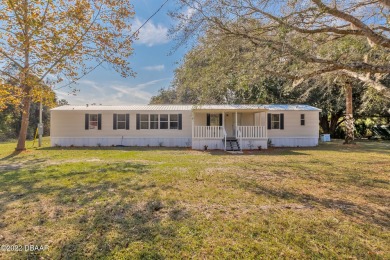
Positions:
(44, 42)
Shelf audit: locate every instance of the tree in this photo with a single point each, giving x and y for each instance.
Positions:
(281, 26)
(218, 70)
(43, 42)
(346, 38)
(164, 96)
(222, 70)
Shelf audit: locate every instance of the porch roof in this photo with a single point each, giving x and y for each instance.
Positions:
(233, 107)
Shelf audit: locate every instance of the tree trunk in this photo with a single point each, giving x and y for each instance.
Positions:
(349, 121)
(324, 123)
(24, 125)
(329, 123)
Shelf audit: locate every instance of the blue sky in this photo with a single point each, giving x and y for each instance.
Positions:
(152, 62)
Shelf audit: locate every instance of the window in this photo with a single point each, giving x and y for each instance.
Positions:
(164, 121)
(214, 120)
(121, 121)
(302, 119)
(275, 121)
(173, 121)
(154, 121)
(93, 121)
(144, 120)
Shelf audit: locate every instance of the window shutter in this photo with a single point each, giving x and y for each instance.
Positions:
(86, 121)
(208, 119)
(127, 121)
(180, 122)
(99, 121)
(269, 121)
(114, 126)
(220, 119)
(138, 121)
(281, 121)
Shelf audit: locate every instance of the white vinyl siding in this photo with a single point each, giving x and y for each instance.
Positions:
(292, 125)
(71, 124)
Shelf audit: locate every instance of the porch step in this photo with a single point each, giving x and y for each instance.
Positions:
(232, 144)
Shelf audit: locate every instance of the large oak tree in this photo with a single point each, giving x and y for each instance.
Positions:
(44, 42)
(304, 33)
(281, 25)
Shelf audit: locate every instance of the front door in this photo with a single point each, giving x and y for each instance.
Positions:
(230, 124)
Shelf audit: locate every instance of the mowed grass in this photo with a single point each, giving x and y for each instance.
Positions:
(331, 201)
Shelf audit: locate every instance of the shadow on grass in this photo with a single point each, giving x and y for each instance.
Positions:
(269, 152)
(360, 146)
(10, 156)
(100, 215)
(113, 227)
(114, 148)
(362, 212)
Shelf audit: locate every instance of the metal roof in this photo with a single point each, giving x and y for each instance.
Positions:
(126, 108)
(186, 107)
(297, 107)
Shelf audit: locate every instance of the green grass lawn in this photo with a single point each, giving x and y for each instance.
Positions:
(332, 201)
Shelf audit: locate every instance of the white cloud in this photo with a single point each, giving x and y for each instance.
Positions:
(110, 93)
(155, 68)
(189, 12)
(151, 34)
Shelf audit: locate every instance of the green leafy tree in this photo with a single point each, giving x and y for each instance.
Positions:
(348, 39)
(55, 40)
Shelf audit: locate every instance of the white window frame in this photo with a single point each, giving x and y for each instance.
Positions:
(120, 121)
(93, 127)
(143, 121)
(303, 120)
(273, 121)
(154, 121)
(174, 121)
(167, 122)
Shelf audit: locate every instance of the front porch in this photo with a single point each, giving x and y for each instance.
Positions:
(229, 129)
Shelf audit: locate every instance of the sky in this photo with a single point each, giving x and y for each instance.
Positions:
(152, 61)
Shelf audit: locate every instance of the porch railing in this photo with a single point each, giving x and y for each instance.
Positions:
(252, 132)
(209, 132)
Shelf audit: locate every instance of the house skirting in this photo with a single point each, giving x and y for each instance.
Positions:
(218, 144)
(118, 140)
(196, 144)
(294, 141)
(249, 144)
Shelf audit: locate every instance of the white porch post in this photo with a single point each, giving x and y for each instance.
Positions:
(235, 129)
(223, 119)
(192, 125)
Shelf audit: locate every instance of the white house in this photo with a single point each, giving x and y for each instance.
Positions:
(225, 127)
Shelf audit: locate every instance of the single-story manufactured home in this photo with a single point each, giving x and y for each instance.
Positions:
(225, 127)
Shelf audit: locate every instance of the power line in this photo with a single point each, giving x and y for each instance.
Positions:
(101, 62)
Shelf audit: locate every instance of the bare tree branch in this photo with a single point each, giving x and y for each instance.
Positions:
(374, 37)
